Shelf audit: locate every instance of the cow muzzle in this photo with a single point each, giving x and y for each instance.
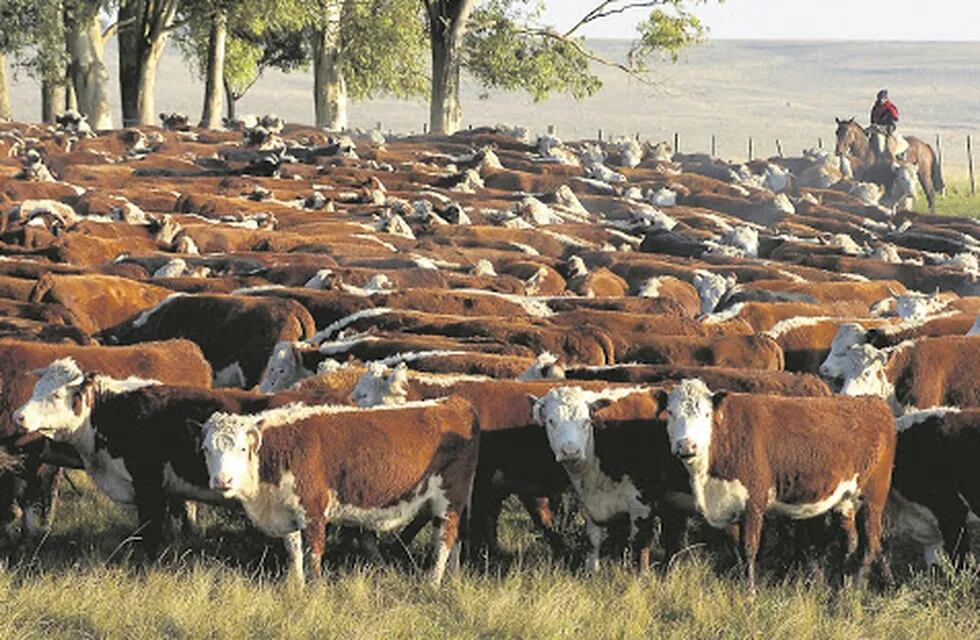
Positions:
(570, 453)
(222, 485)
(686, 449)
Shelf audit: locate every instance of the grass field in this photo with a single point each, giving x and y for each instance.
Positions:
(957, 202)
(79, 582)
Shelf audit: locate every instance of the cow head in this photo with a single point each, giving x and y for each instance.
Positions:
(567, 414)
(379, 387)
(711, 288)
(231, 446)
(690, 413)
(545, 367)
(61, 402)
(284, 368)
(848, 335)
(864, 373)
(915, 305)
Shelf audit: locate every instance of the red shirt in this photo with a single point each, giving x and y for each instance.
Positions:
(884, 113)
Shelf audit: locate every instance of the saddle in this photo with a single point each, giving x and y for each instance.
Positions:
(887, 144)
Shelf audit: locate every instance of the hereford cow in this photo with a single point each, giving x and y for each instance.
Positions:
(935, 483)
(611, 481)
(925, 373)
(748, 455)
(236, 333)
(297, 469)
(34, 489)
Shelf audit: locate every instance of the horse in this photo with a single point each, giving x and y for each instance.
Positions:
(854, 144)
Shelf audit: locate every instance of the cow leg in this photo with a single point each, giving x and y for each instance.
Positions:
(751, 536)
(642, 532)
(539, 508)
(484, 516)
(596, 535)
(672, 530)
(40, 500)
(294, 550)
(152, 513)
(10, 511)
(314, 540)
(871, 524)
(951, 514)
(848, 525)
(446, 534)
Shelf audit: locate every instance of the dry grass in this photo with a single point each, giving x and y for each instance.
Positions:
(80, 583)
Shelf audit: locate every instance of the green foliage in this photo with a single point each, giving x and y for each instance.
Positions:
(503, 50)
(665, 33)
(384, 49)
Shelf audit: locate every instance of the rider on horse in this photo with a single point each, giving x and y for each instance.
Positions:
(884, 122)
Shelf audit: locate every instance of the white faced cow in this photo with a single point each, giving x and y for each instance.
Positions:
(749, 455)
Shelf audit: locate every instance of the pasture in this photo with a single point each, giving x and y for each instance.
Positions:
(625, 346)
(79, 584)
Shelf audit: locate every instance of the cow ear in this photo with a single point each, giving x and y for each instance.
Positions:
(718, 398)
(533, 404)
(661, 397)
(254, 438)
(78, 395)
(594, 410)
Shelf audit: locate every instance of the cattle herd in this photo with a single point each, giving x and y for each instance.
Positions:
(386, 333)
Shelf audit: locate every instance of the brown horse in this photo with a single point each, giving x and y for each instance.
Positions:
(853, 143)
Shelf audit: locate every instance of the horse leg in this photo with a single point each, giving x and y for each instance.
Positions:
(925, 179)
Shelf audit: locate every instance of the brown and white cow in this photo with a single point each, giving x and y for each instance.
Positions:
(611, 480)
(34, 489)
(296, 469)
(921, 374)
(750, 455)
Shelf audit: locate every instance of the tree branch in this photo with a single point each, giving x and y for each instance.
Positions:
(608, 8)
(590, 54)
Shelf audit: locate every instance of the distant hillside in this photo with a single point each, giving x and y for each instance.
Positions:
(732, 89)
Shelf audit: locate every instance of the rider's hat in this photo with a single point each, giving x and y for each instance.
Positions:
(883, 94)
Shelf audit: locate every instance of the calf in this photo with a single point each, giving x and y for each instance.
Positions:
(297, 469)
(748, 352)
(935, 483)
(608, 476)
(748, 455)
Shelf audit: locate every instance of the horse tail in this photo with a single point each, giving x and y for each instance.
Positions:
(937, 175)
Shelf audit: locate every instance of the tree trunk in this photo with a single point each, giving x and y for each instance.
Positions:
(231, 103)
(329, 86)
(144, 25)
(52, 100)
(211, 117)
(88, 73)
(71, 100)
(5, 112)
(447, 26)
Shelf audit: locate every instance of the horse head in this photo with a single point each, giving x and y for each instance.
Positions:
(849, 133)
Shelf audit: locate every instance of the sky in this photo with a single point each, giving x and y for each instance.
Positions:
(941, 20)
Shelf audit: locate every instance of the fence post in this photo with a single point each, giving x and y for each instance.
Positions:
(552, 129)
(714, 147)
(779, 148)
(600, 135)
(969, 157)
(425, 128)
(637, 136)
(820, 143)
(939, 157)
(677, 142)
(751, 154)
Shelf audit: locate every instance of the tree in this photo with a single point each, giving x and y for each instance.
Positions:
(144, 26)
(503, 46)
(87, 73)
(447, 22)
(362, 49)
(19, 17)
